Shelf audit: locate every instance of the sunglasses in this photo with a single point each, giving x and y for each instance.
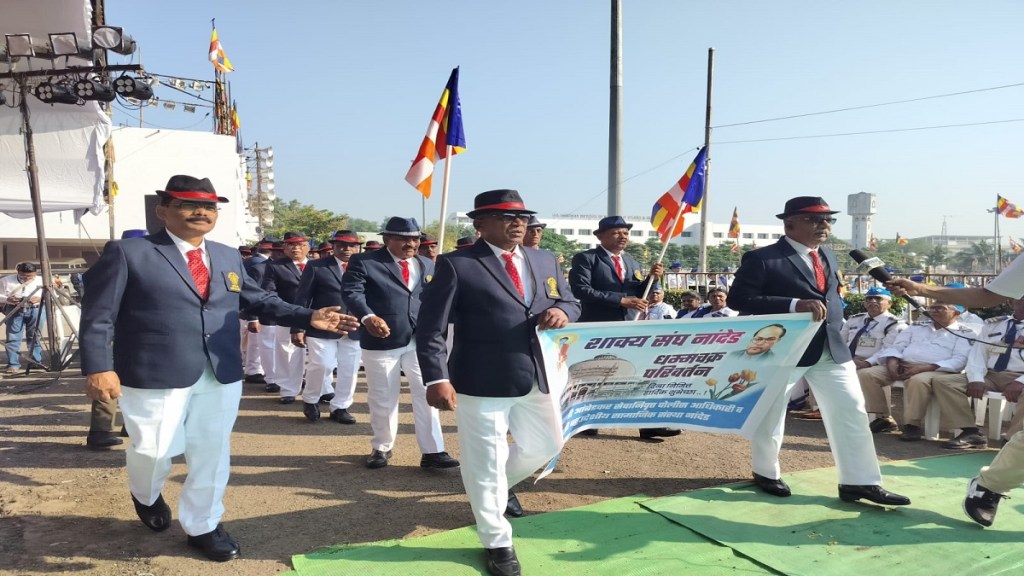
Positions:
(196, 206)
(509, 217)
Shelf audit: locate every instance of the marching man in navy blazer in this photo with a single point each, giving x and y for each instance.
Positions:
(320, 286)
(799, 274)
(383, 288)
(496, 294)
(159, 331)
(610, 286)
(282, 276)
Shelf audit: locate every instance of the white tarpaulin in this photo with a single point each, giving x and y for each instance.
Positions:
(68, 139)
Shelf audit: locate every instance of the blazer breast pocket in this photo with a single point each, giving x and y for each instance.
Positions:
(232, 281)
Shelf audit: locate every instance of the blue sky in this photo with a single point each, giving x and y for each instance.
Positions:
(343, 91)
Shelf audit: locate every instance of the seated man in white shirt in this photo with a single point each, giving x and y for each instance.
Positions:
(868, 334)
(920, 353)
(658, 309)
(994, 364)
(715, 306)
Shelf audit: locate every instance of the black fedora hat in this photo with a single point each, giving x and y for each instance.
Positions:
(503, 200)
(465, 242)
(535, 223)
(295, 238)
(427, 240)
(190, 188)
(806, 205)
(372, 245)
(346, 237)
(612, 222)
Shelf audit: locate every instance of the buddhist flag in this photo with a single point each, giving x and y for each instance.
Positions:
(445, 129)
(1007, 208)
(686, 195)
(217, 57)
(900, 240)
(734, 224)
(236, 123)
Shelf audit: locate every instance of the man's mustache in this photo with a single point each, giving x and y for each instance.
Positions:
(199, 219)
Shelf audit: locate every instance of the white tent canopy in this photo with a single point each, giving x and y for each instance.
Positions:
(68, 139)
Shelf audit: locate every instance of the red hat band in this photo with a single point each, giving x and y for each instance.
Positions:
(815, 209)
(205, 196)
(346, 239)
(502, 206)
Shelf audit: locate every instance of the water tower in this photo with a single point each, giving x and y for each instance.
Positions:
(861, 206)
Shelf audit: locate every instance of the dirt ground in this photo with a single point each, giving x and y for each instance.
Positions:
(297, 486)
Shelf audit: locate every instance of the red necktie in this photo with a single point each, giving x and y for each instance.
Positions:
(517, 281)
(819, 272)
(301, 265)
(405, 271)
(618, 268)
(200, 274)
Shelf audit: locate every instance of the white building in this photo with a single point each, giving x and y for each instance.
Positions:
(580, 228)
(144, 160)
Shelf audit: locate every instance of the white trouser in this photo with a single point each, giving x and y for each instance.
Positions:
(326, 354)
(383, 386)
(490, 466)
(841, 401)
(251, 352)
(194, 421)
(268, 339)
(289, 362)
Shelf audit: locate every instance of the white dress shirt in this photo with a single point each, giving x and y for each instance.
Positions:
(925, 343)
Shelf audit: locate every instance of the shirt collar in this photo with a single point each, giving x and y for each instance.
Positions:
(184, 246)
(801, 249)
(499, 251)
(609, 253)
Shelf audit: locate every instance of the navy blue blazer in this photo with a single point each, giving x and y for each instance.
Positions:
(769, 278)
(593, 280)
(373, 284)
(142, 316)
(319, 287)
(282, 276)
(496, 352)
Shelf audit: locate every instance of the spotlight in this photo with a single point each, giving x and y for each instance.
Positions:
(19, 45)
(93, 89)
(113, 38)
(55, 93)
(130, 87)
(64, 44)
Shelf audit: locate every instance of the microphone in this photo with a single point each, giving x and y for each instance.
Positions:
(876, 268)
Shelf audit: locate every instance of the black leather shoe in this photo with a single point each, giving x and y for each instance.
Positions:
(342, 416)
(255, 379)
(648, 433)
(271, 387)
(772, 486)
(911, 433)
(438, 460)
(287, 399)
(502, 562)
(312, 411)
(965, 440)
(217, 545)
(157, 516)
(590, 432)
(102, 440)
(513, 508)
(378, 459)
(326, 398)
(876, 494)
(879, 425)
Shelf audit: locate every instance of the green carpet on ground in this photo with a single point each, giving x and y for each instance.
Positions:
(615, 538)
(814, 533)
(732, 529)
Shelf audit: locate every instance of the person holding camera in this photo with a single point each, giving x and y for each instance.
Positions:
(22, 293)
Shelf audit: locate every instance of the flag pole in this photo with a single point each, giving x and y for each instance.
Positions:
(444, 195)
(702, 265)
(664, 249)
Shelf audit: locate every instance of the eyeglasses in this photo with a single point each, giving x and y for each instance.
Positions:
(817, 220)
(195, 206)
(873, 298)
(509, 217)
(761, 340)
(939, 307)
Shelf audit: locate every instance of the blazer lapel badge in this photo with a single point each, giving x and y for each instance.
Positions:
(232, 280)
(552, 287)
(638, 275)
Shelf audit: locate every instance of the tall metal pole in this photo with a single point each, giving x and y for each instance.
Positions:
(259, 190)
(615, 115)
(702, 265)
(37, 211)
(997, 245)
